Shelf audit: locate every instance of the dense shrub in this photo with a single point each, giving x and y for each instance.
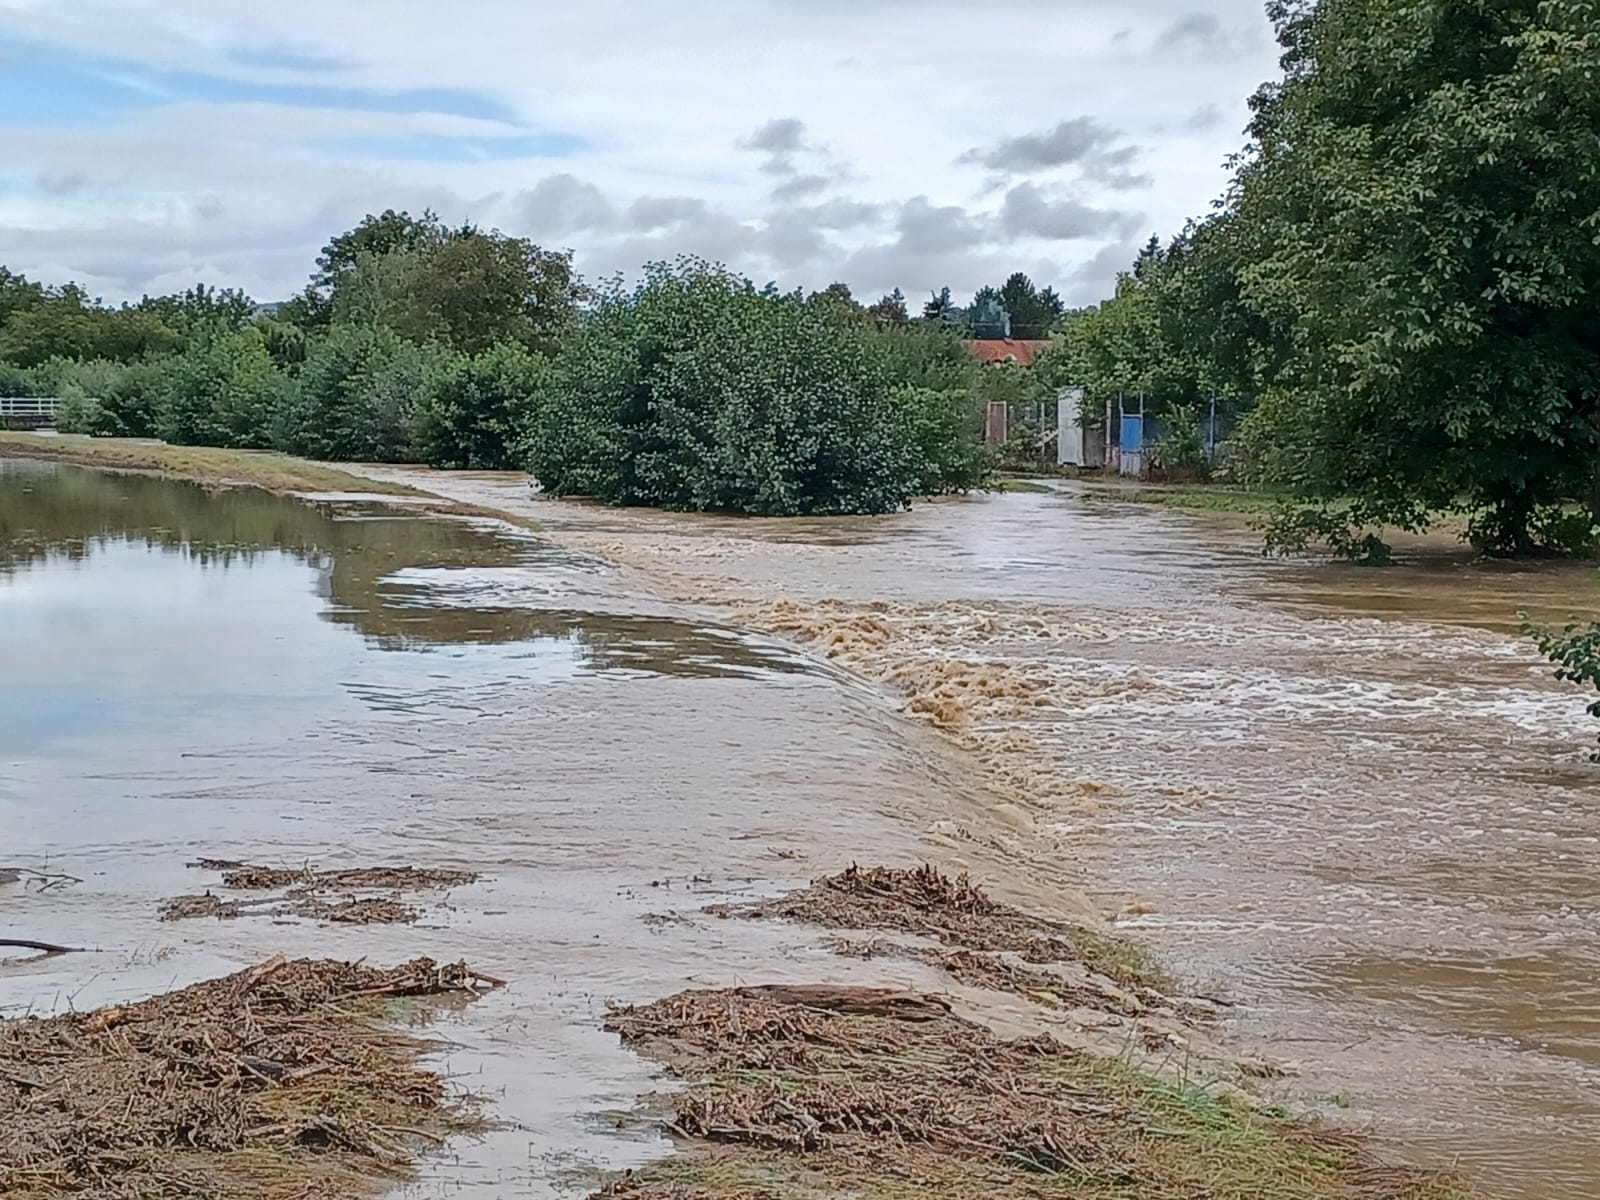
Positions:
(478, 413)
(19, 381)
(697, 391)
(357, 396)
(130, 404)
(224, 391)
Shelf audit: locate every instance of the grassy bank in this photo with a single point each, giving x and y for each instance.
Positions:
(1197, 497)
(264, 469)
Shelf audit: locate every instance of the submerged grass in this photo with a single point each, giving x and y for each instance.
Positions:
(1197, 497)
(281, 474)
(264, 469)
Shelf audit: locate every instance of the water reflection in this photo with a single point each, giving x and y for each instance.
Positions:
(403, 581)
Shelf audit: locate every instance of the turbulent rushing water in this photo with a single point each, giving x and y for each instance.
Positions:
(1353, 801)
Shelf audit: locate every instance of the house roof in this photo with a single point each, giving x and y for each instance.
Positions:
(1017, 350)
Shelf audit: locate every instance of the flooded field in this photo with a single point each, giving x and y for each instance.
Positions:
(1353, 803)
(187, 674)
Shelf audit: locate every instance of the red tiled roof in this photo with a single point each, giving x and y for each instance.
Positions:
(996, 350)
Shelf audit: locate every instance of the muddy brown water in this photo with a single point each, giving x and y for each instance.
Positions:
(1355, 802)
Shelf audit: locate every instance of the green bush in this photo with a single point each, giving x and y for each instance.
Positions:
(945, 427)
(479, 411)
(224, 391)
(1182, 446)
(17, 381)
(357, 396)
(697, 391)
(131, 402)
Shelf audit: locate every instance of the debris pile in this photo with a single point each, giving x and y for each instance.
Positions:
(981, 941)
(274, 1082)
(355, 896)
(862, 1091)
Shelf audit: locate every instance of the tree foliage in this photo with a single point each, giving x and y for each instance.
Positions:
(1420, 213)
(223, 391)
(357, 396)
(697, 391)
(479, 409)
(1575, 651)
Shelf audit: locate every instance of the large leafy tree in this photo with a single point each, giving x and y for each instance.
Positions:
(1422, 207)
(465, 288)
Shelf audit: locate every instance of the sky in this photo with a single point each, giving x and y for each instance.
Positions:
(146, 145)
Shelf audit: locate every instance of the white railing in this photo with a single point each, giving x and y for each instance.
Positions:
(27, 412)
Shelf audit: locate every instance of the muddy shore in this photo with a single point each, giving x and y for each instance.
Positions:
(999, 992)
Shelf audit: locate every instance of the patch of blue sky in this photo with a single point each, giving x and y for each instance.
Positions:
(42, 86)
(435, 148)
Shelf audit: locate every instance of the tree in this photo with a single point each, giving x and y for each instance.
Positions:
(467, 289)
(939, 308)
(357, 396)
(1033, 312)
(890, 310)
(1575, 651)
(479, 412)
(200, 305)
(698, 391)
(1420, 207)
(223, 391)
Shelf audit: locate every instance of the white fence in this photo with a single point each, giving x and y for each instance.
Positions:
(27, 412)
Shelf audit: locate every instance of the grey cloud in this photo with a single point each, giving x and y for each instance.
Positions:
(785, 135)
(1071, 141)
(933, 229)
(563, 204)
(791, 242)
(1206, 117)
(1029, 212)
(1112, 169)
(209, 209)
(1195, 31)
(780, 140)
(841, 214)
(1096, 279)
(798, 187)
(1081, 142)
(62, 182)
(659, 212)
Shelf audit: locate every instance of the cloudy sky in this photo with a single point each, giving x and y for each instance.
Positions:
(147, 144)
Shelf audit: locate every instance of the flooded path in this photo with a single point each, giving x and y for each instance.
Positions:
(1356, 801)
(1353, 802)
(189, 674)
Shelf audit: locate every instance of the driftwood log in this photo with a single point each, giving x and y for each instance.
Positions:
(42, 947)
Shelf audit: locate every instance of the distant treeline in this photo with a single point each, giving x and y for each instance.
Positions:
(463, 347)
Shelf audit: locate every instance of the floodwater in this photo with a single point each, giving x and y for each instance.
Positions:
(1353, 802)
(190, 674)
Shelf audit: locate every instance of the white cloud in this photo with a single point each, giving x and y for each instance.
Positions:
(859, 115)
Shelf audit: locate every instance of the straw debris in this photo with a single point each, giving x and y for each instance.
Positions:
(272, 1083)
(985, 943)
(797, 1094)
(317, 895)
